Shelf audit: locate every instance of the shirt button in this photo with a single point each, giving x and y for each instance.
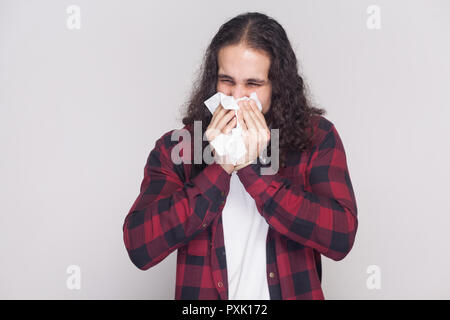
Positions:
(222, 194)
(219, 284)
(271, 274)
(204, 225)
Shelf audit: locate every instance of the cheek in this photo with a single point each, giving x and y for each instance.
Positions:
(266, 107)
(266, 102)
(221, 88)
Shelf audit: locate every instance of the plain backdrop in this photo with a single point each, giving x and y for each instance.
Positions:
(80, 110)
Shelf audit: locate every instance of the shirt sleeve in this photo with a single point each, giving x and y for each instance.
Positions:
(323, 216)
(169, 212)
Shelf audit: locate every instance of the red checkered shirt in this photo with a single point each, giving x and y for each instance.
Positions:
(309, 205)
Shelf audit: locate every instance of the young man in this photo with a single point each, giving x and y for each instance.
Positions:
(241, 234)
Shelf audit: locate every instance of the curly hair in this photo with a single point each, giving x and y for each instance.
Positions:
(290, 111)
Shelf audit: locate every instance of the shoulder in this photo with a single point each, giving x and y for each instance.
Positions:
(319, 128)
(161, 154)
(322, 127)
(171, 138)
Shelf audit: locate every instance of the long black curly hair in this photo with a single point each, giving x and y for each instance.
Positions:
(290, 111)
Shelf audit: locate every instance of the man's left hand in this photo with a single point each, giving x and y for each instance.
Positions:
(255, 132)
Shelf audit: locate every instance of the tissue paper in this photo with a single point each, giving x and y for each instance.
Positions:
(231, 144)
(228, 102)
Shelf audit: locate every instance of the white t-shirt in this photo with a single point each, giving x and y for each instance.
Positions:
(245, 232)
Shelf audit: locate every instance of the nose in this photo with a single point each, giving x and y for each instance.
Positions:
(239, 92)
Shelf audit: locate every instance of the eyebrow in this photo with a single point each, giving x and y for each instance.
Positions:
(225, 76)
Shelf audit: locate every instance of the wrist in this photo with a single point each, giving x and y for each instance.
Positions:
(241, 166)
(229, 168)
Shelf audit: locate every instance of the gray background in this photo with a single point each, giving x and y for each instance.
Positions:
(80, 110)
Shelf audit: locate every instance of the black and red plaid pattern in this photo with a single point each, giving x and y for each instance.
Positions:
(309, 205)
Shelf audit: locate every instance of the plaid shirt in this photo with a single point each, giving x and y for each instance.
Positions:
(309, 205)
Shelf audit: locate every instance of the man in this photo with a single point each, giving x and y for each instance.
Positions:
(241, 234)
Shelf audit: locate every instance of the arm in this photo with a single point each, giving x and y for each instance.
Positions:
(168, 213)
(323, 218)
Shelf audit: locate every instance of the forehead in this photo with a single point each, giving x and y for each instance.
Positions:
(241, 62)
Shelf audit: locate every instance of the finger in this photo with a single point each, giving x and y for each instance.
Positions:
(253, 110)
(252, 144)
(260, 120)
(214, 116)
(258, 124)
(248, 118)
(212, 132)
(222, 111)
(252, 132)
(241, 120)
(217, 111)
(263, 141)
(230, 125)
(258, 113)
(225, 120)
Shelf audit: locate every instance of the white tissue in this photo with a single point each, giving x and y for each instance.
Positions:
(231, 144)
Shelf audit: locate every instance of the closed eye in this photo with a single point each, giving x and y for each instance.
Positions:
(250, 84)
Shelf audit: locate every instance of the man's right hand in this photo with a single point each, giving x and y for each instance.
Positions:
(223, 121)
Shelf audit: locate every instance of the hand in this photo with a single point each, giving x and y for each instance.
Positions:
(223, 121)
(255, 132)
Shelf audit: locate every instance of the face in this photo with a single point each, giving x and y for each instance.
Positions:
(242, 71)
